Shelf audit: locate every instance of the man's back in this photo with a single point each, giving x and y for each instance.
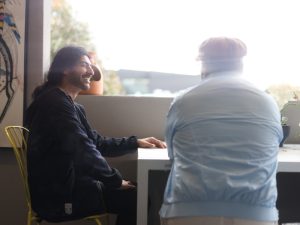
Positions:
(223, 136)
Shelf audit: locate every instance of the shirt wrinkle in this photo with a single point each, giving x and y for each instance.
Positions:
(223, 137)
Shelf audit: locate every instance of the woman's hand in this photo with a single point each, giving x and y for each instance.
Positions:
(151, 142)
(127, 185)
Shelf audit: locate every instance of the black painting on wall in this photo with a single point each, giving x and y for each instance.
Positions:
(12, 35)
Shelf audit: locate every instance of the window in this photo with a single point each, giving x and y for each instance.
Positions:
(162, 36)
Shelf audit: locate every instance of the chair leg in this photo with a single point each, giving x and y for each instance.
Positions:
(97, 221)
(104, 218)
(29, 218)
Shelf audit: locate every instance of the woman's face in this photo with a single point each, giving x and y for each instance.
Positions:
(80, 75)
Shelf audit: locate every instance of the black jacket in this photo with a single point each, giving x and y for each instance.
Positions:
(66, 161)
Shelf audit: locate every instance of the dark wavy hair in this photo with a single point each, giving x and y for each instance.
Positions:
(65, 58)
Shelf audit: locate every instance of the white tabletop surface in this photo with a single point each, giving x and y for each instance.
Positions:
(153, 153)
(157, 159)
(288, 153)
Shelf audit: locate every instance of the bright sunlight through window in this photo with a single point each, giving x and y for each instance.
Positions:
(164, 35)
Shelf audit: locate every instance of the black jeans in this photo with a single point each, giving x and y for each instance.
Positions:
(123, 203)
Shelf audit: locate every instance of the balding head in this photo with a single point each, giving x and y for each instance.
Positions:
(221, 54)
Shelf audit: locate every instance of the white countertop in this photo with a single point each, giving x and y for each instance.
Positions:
(157, 159)
(288, 157)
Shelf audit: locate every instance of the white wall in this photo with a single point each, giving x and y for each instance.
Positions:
(119, 116)
(124, 115)
(37, 54)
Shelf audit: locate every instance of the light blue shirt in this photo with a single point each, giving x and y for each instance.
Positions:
(223, 137)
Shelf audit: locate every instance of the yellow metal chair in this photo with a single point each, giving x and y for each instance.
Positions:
(17, 136)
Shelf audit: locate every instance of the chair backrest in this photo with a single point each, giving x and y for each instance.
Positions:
(17, 136)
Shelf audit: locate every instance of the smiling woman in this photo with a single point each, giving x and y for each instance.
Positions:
(163, 36)
(96, 85)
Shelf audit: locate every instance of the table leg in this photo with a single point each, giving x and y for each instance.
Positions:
(142, 196)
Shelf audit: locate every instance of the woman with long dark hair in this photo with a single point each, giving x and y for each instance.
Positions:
(68, 175)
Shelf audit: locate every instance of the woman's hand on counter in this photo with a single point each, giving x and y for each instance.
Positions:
(151, 142)
(126, 184)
